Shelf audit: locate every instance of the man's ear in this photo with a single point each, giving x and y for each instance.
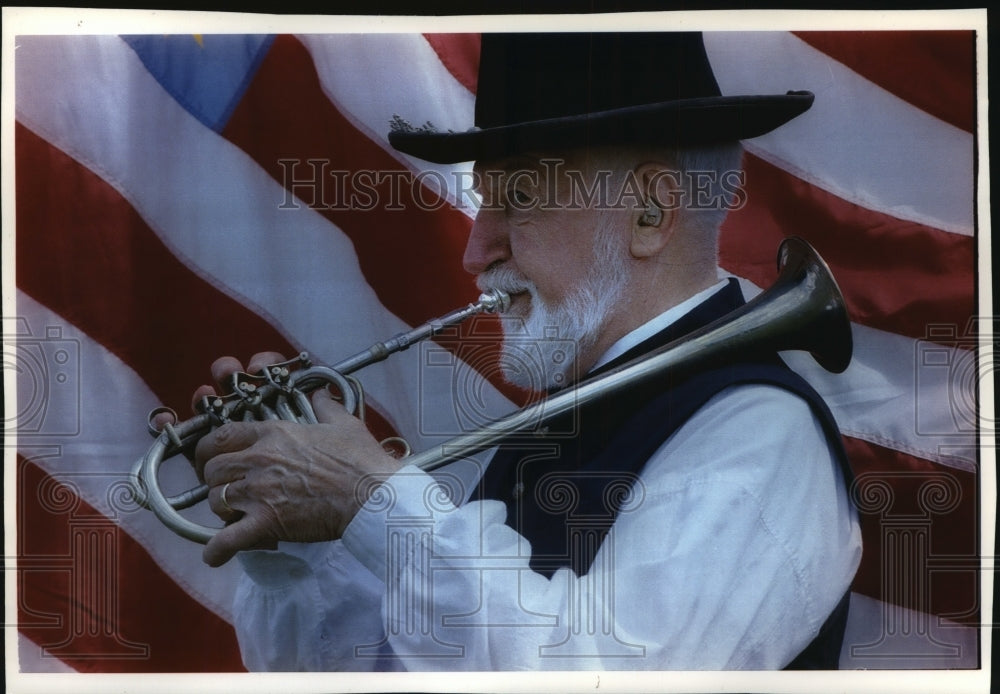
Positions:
(653, 225)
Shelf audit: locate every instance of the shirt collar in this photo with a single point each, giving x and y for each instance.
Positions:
(657, 324)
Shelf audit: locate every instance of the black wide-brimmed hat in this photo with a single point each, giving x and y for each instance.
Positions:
(539, 91)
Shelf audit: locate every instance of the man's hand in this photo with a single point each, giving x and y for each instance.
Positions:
(283, 480)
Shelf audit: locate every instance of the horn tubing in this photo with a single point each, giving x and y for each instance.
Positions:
(773, 321)
(493, 301)
(804, 309)
(144, 475)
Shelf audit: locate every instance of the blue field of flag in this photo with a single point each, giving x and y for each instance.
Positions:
(206, 73)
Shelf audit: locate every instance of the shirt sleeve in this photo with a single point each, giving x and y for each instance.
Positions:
(309, 608)
(734, 545)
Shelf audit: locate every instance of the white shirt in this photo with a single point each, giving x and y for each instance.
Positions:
(736, 544)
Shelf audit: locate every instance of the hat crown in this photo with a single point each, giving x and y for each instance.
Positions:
(539, 92)
(528, 77)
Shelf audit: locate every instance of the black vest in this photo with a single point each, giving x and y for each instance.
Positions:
(564, 488)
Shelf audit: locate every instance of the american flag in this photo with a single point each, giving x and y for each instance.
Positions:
(180, 196)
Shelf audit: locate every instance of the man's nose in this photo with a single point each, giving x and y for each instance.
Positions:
(488, 242)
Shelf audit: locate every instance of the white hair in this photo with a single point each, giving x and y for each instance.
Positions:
(720, 163)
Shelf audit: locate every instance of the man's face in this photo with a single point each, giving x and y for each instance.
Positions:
(563, 261)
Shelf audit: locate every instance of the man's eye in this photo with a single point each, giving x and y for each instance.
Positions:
(521, 198)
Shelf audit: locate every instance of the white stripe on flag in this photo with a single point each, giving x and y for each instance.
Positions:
(858, 141)
(31, 658)
(893, 396)
(373, 77)
(883, 636)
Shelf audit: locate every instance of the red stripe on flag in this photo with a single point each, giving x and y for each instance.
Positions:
(126, 289)
(285, 117)
(896, 275)
(91, 595)
(933, 70)
(920, 531)
(459, 53)
(84, 252)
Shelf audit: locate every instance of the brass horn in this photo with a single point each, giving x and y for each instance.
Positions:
(802, 310)
(279, 392)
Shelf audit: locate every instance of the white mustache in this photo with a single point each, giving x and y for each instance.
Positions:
(505, 279)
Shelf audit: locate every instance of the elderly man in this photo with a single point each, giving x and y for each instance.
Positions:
(701, 521)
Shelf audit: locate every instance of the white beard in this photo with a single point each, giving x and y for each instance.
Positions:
(540, 350)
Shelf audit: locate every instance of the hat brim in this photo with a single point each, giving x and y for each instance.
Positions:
(684, 122)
